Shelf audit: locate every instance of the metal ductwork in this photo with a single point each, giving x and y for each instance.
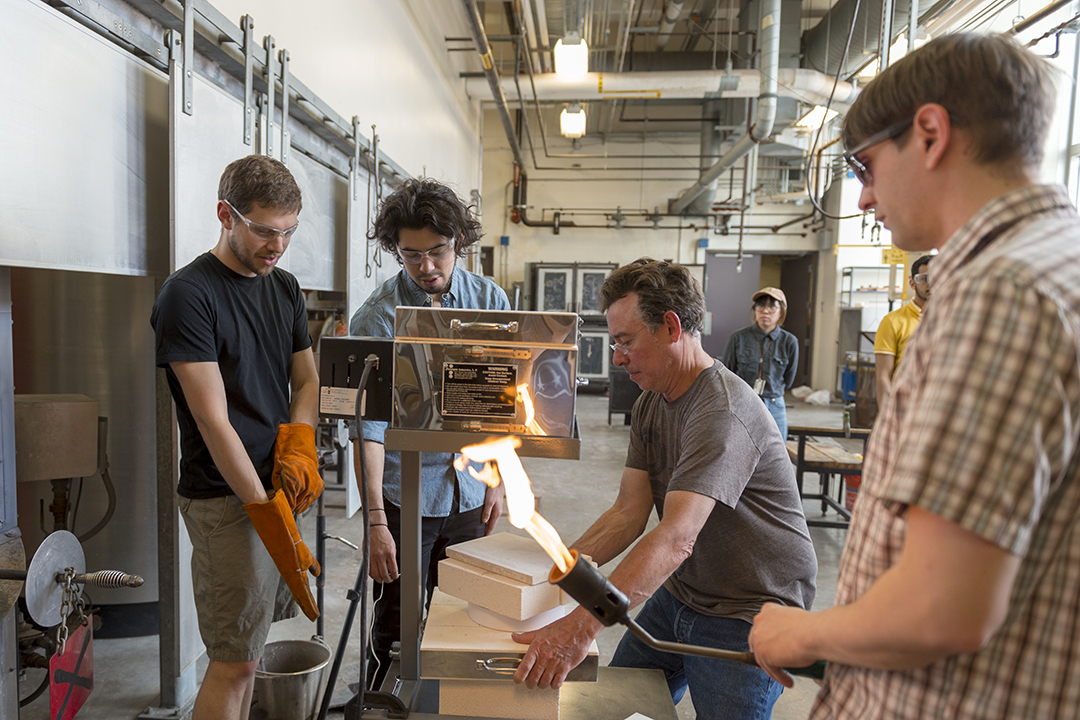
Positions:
(823, 45)
(672, 11)
(766, 109)
(807, 85)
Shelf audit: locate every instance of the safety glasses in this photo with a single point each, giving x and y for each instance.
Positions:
(850, 157)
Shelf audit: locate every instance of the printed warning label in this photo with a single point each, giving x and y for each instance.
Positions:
(479, 390)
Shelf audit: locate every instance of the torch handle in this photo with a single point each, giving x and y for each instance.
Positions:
(816, 671)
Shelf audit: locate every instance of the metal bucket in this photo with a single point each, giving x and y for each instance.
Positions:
(288, 680)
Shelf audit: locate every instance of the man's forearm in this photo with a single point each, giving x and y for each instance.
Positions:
(232, 461)
(374, 457)
(610, 535)
(304, 407)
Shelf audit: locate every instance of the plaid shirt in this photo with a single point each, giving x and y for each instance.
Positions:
(981, 429)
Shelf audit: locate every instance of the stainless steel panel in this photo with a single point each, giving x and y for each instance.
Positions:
(205, 142)
(8, 516)
(319, 246)
(463, 665)
(84, 142)
(89, 333)
(462, 370)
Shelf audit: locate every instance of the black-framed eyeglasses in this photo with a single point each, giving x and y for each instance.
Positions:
(263, 232)
(861, 171)
(624, 347)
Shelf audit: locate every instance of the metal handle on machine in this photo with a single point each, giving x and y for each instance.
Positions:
(499, 665)
(457, 324)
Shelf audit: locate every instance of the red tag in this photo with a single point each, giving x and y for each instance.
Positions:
(71, 675)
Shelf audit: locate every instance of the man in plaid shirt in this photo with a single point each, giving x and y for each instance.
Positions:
(959, 586)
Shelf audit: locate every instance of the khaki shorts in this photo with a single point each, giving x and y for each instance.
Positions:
(238, 589)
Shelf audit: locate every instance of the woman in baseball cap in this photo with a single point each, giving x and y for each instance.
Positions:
(764, 354)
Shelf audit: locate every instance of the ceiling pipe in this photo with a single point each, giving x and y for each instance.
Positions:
(476, 27)
(672, 11)
(766, 108)
(542, 34)
(809, 86)
(524, 10)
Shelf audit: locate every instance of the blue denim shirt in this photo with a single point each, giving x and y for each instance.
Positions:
(781, 358)
(375, 318)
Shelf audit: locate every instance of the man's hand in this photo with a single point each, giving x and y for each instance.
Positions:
(383, 564)
(555, 650)
(493, 507)
(774, 640)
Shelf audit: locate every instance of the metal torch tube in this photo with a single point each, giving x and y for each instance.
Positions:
(594, 592)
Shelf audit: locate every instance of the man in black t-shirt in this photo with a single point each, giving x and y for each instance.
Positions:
(232, 337)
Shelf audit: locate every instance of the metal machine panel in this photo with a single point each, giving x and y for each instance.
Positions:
(319, 245)
(84, 142)
(206, 142)
(464, 370)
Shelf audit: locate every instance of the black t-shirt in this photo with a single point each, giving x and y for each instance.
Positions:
(250, 327)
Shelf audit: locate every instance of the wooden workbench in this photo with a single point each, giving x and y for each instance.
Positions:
(812, 450)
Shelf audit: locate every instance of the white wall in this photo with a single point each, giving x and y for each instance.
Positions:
(384, 61)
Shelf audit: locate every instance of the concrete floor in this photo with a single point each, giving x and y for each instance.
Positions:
(572, 495)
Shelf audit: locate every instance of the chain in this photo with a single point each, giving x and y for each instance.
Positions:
(72, 602)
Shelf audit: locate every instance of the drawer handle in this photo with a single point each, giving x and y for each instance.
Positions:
(457, 324)
(499, 665)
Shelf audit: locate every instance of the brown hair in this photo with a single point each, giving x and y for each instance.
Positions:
(660, 286)
(420, 204)
(259, 180)
(1000, 93)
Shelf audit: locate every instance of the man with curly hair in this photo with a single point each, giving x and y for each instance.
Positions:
(426, 227)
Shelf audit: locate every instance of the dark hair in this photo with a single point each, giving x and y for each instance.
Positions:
(1000, 93)
(660, 286)
(259, 180)
(424, 203)
(769, 300)
(920, 262)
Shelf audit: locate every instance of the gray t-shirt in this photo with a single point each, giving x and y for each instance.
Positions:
(718, 439)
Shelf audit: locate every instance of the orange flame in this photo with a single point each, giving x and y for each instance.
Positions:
(520, 501)
(530, 411)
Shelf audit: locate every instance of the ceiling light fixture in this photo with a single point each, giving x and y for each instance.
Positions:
(572, 121)
(816, 118)
(571, 56)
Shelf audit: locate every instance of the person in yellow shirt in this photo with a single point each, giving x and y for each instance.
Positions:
(896, 328)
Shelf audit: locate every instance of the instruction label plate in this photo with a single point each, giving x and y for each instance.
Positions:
(479, 390)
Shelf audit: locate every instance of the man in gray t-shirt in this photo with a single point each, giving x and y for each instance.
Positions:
(706, 454)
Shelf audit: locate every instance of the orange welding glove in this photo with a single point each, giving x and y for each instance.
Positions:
(296, 465)
(274, 522)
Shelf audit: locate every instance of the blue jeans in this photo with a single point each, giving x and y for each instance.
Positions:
(719, 689)
(778, 410)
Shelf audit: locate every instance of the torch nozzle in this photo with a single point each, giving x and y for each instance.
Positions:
(594, 592)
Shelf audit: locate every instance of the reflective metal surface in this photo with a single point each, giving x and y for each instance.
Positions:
(84, 142)
(464, 369)
(58, 552)
(90, 333)
(205, 143)
(319, 245)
